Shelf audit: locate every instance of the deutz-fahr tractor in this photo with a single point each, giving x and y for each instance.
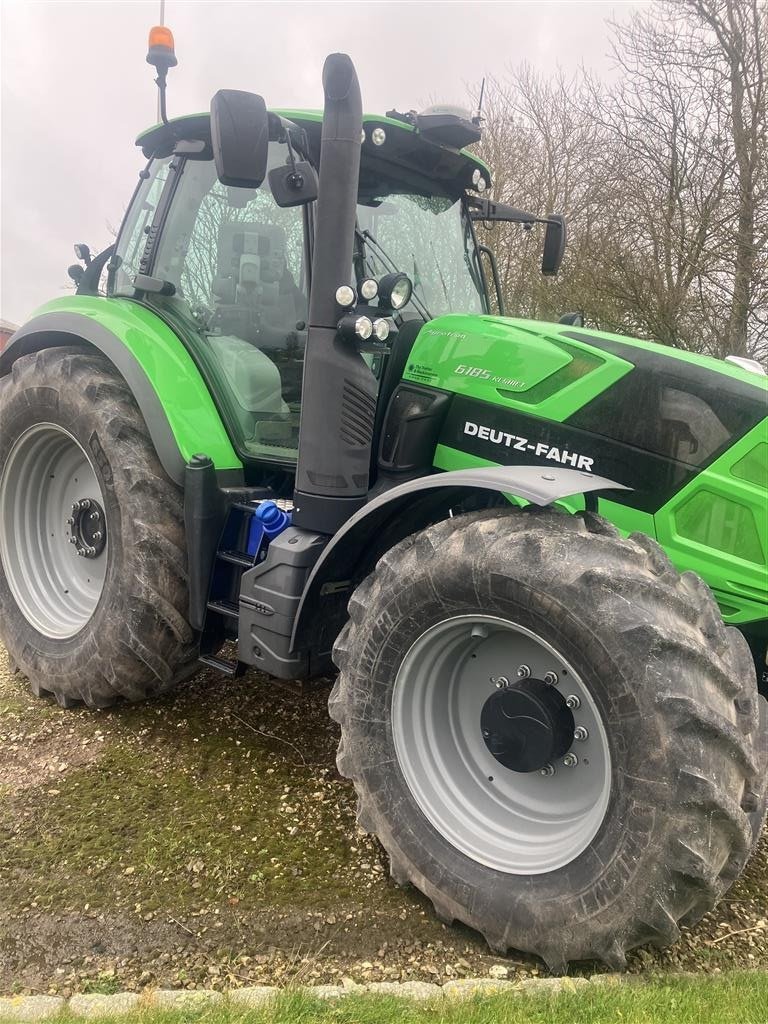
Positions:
(284, 424)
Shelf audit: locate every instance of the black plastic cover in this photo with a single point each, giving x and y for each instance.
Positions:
(240, 137)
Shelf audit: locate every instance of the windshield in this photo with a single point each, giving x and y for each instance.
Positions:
(427, 237)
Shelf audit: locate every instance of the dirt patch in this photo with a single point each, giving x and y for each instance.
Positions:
(206, 839)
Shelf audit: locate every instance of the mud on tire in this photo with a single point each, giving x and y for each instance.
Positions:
(138, 642)
(676, 692)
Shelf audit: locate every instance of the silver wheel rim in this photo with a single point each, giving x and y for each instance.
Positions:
(47, 472)
(517, 823)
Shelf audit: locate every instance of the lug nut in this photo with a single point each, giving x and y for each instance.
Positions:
(486, 734)
(523, 672)
(93, 516)
(580, 733)
(551, 679)
(547, 770)
(570, 760)
(572, 702)
(80, 552)
(97, 535)
(501, 683)
(73, 540)
(70, 521)
(86, 503)
(75, 506)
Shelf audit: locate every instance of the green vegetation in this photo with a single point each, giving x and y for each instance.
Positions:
(737, 998)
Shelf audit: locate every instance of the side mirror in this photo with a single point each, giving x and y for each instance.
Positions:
(293, 186)
(554, 245)
(76, 273)
(240, 137)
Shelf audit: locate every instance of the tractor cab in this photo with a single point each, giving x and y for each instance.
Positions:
(229, 267)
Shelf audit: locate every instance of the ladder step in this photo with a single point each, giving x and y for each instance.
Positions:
(225, 608)
(236, 558)
(229, 668)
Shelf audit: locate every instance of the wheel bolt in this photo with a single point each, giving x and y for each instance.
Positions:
(547, 771)
(570, 760)
(580, 733)
(572, 702)
(486, 734)
(551, 679)
(93, 516)
(75, 506)
(70, 521)
(97, 535)
(86, 503)
(523, 672)
(73, 540)
(501, 683)
(80, 552)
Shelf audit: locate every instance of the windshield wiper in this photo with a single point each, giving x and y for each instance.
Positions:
(366, 236)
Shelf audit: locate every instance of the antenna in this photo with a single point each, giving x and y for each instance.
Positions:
(161, 22)
(478, 118)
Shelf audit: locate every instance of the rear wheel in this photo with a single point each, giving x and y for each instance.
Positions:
(93, 586)
(551, 732)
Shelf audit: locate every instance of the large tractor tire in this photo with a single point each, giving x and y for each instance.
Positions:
(93, 584)
(551, 732)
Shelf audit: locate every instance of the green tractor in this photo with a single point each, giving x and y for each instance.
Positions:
(290, 432)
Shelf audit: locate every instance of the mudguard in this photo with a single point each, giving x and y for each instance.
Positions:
(408, 507)
(167, 385)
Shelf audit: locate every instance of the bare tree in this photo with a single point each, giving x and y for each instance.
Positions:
(662, 173)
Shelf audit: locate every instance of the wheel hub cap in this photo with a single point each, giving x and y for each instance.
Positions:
(88, 529)
(527, 725)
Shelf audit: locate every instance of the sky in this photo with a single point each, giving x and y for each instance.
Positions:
(76, 91)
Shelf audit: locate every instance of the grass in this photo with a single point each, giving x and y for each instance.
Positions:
(738, 998)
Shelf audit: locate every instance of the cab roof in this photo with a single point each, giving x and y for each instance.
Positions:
(404, 146)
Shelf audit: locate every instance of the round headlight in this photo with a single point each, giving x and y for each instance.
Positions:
(364, 327)
(381, 329)
(476, 175)
(378, 136)
(369, 289)
(401, 293)
(394, 291)
(345, 296)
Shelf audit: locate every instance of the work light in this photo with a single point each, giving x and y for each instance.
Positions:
(369, 289)
(345, 296)
(394, 291)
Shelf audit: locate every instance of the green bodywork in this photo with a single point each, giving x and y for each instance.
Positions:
(174, 376)
(716, 525)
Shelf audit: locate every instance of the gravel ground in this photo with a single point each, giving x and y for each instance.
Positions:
(205, 840)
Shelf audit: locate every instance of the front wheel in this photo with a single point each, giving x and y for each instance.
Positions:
(551, 732)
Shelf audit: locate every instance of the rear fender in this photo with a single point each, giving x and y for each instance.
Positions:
(170, 391)
(405, 509)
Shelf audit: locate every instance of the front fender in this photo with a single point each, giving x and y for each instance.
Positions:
(408, 507)
(173, 397)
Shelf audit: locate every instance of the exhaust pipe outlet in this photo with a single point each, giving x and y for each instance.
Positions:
(339, 391)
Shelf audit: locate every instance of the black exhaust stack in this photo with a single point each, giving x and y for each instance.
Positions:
(339, 391)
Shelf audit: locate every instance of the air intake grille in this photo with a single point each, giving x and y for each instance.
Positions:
(357, 413)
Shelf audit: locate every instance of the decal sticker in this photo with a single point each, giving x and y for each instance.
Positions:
(480, 373)
(541, 449)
